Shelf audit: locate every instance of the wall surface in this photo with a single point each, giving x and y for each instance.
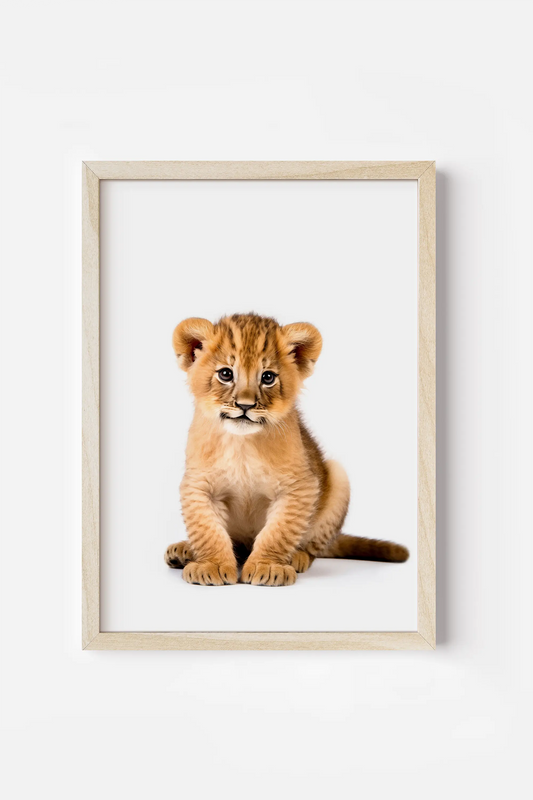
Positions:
(267, 80)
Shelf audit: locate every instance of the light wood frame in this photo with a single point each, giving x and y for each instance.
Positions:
(424, 172)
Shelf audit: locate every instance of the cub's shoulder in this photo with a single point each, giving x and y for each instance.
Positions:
(314, 453)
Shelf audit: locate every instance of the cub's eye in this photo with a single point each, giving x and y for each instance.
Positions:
(225, 375)
(268, 378)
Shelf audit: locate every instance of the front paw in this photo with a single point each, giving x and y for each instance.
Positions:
(207, 573)
(267, 573)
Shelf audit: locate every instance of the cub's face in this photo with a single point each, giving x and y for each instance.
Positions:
(246, 371)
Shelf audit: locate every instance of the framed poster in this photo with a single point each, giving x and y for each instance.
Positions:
(259, 405)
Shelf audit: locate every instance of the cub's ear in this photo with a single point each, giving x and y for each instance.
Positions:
(305, 342)
(190, 336)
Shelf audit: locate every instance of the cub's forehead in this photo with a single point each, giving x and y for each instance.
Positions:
(248, 339)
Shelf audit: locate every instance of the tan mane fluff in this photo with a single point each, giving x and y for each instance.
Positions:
(257, 489)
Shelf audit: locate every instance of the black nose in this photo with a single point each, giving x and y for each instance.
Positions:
(245, 406)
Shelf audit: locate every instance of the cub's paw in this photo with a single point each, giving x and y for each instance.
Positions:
(301, 561)
(207, 573)
(178, 555)
(268, 573)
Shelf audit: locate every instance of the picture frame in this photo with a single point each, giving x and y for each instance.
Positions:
(424, 173)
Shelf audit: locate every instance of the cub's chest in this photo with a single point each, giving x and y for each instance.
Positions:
(241, 475)
(247, 489)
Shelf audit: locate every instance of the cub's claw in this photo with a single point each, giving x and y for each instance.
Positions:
(268, 573)
(207, 573)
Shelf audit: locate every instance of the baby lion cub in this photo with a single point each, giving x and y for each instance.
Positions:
(256, 485)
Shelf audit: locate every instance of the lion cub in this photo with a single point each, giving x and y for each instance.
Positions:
(256, 485)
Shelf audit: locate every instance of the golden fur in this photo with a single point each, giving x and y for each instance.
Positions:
(257, 489)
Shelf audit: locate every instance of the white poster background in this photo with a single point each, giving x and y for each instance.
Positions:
(339, 254)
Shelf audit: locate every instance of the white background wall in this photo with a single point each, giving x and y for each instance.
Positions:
(254, 80)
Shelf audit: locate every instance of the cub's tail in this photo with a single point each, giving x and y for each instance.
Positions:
(357, 547)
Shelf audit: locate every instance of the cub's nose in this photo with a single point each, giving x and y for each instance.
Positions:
(245, 406)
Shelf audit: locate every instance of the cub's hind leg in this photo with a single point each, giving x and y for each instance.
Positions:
(301, 560)
(331, 512)
(179, 554)
(325, 539)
